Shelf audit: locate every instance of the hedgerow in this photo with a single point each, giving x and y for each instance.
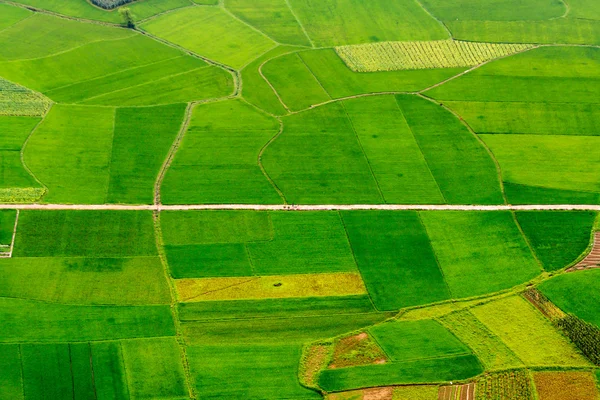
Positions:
(110, 4)
(585, 336)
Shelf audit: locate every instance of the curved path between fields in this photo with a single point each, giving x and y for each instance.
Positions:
(316, 207)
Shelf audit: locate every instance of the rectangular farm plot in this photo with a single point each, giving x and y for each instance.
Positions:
(479, 252)
(274, 286)
(338, 22)
(395, 158)
(528, 333)
(7, 224)
(218, 161)
(413, 340)
(395, 258)
(197, 29)
(85, 234)
(238, 372)
(11, 379)
(548, 161)
(566, 386)
(245, 243)
(494, 10)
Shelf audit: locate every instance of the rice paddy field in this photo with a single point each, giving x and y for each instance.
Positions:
(299, 199)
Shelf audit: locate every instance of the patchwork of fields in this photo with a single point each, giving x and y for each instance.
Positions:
(113, 122)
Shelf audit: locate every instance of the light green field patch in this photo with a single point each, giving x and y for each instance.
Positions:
(10, 15)
(317, 160)
(120, 281)
(529, 117)
(495, 10)
(339, 22)
(272, 17)
(527, 333)
(560, 31)
(492, 352)
(211, 32)
(555, 162)
(587, 9)
(47, 35)
(75, 8)
(479, 252)
(270, 287)
(148, 8)
(285, 72)
(218, 158)
(70, 153)
(20, 101)
(391, 56)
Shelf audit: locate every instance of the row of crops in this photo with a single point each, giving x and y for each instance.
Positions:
(18, 100)
(391, 56)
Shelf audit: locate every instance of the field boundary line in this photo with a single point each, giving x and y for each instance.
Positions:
(232, 15)
(421, 151)
(26, 142)
(173, 306)
(160, 14)
(481, 142)
(362, 150)
(313, 74)
(14, 235)
(439, 21)
(187, 117)
(303, 207)
(260, 71)
(289, 6)
(531, 249)
(435, 256)
(110, 155)
(262, 167)
(19, 21)
(243, 67)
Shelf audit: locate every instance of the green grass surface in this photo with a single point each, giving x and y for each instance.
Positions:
(492, 352)
(74, 8)
(561, 30)
(11, 15)
(588, 9)
(7, 223)
(85, 234)
(109, 370)
(284, 71)
(395, 258)
(552, 162)
(141, 140)
(154, 368)
(32, 321)
(149, 8)
(406, 341)
(420, 371)
(529, 118)
(528, 333)
(218, 158)
(272, 17)
(11, 382)
(576, 293)
(479, 252)
(48, 35)
(463, 170)
(495, 10)
(255, 243)
(211, 32)
(317, 160)
(557, 238)
(269, 331)
(14, 133)
(557, 74)
(274, 308)
(256, 90)
(79, 280)
(530, 194)
(248, 372)
(337, 22)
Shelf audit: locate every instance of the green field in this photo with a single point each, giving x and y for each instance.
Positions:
(299, 199)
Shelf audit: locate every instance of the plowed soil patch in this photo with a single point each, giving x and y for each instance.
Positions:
(566, 386)
(592, 260)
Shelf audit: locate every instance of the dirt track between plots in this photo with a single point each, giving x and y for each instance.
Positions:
(316, 207)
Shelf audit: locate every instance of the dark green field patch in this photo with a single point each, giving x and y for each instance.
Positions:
(248, 372)
(46, 371)
(557, 238)
(525, 194)
(81, 371)
(395, 258)
(209, 260)
(7, 224)
(577, 293)
(109, 371)
(421, 371)
(406, 341)
(11, 380)
(31, 321)
(85, 234)
(15, 131)
(274, 308)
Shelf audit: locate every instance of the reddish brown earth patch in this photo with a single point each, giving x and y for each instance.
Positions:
(592, 260)
(383, 393)
(457, 392)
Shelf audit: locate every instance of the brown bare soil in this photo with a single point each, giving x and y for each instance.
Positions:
(592, 260)
(313, 360)
(457, 392)
(565, 386)
(382, 393)
(356, 350)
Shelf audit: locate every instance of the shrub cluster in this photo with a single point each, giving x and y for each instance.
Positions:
(110, 4)
(585, 336)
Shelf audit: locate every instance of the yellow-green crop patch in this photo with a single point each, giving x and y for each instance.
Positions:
(392, 56)
(270, 287)
(18, 100)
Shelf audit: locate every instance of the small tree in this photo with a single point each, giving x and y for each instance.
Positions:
(127, 17)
